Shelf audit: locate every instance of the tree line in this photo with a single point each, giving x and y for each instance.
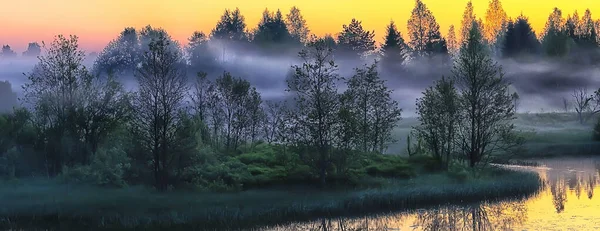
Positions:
(80, 121)
(506, 37)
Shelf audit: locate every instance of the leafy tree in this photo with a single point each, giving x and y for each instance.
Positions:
(424, 31)
(439, 116)
(355, 40)
(33, 50)
(467, 22)
(74, 111)
(316, 103)
(198, 52)
(231, 27)
(162, 89)
(495, 22)
(520, 39)
(394, 49)
(271, 30)
(377, 114)
(240, 105)
(486, 106)
(121, 55)
(16, 137)
(587, 38)
(274, 121)
(572, 26)
(7, 52)
(8, 96)
(453, 45)
(555, 38)
(329, 41)
(296, 25)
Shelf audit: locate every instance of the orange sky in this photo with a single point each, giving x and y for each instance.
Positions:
(98, 21)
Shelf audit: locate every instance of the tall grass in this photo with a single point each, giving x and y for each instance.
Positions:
(43, 205)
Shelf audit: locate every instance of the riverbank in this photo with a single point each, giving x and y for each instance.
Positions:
(46, 204)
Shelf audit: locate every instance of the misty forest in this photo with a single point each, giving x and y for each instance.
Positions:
(255, 126)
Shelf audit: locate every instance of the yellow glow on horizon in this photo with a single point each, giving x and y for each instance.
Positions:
(96, 22)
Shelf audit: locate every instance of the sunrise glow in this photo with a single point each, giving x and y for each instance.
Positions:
(97, 22)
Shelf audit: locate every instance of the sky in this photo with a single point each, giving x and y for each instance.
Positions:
(96, 22)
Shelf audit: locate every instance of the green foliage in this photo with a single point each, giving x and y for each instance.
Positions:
(8, 163)
(8, 96)
(438, 112)
(596, 132)
(379, 165)
(458, 173)
(108, 168)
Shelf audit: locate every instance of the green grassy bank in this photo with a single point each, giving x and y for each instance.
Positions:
(43, 204)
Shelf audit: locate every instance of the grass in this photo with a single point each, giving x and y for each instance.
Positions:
(549, 134)
(40, 204)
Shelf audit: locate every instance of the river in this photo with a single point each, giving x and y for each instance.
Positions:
(567, 202)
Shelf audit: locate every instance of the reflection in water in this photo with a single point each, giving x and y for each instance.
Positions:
(345, 224)
(559, 195)
(498, 216)
(560, 206)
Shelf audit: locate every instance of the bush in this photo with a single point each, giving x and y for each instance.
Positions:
(107, 168)
(8, 163)
(458, 173)
(596, 132)
(380, 165)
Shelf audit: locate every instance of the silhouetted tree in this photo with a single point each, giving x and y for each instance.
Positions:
(520, 39)
(316, 103)
(199, 55)
(467, 22)
(74, 111)
(161, 94)
(495, 22)
(572, 26)
(355, 40)
(121, 55)
(376, 113)
(555, 40)
(439, 114)
(7, 52)
(453, 45)
(271, 30)
(486, 106)
(587, 38)
(394, 50)
(296, 25)
(231, 27)
(424, 31)
(33, 50)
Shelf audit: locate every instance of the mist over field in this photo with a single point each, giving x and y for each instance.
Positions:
(541, 85)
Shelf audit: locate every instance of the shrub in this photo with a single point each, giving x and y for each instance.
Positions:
(8, 163)
(458, 173)
(107, 168)
(596, 132)
(380, 165)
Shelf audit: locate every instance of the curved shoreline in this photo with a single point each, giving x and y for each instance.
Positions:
(248, 210)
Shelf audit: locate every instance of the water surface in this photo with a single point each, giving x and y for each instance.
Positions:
(567, 202)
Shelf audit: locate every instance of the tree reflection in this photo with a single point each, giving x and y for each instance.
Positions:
(496, 216)
(559, 194)
(375, 223)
